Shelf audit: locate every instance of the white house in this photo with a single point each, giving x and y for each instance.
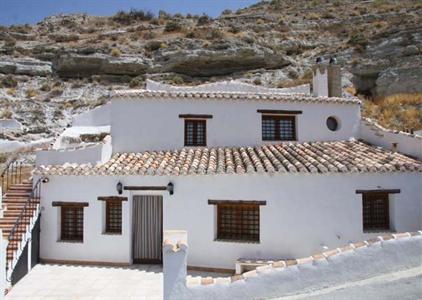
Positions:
(248, 172)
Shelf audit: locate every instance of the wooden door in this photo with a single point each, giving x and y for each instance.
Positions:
(147, 229)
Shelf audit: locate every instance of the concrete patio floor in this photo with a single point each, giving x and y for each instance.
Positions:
(72, 282)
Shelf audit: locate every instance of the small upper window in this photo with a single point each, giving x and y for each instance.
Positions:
(278, 128)
(195, 132)
(332, 123)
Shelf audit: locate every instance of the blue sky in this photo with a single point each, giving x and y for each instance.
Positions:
(33, 11)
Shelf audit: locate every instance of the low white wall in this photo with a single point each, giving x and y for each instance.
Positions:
(304, 213)
(226, 86)
(310, 274)
(406, 143)
(3, 245)
(94, 153)
(7, 125)
(98, 116)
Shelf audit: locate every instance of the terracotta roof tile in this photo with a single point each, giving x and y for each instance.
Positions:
(134, 94)
(292, 157)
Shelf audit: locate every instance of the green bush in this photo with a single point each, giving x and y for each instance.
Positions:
(133, 15)
(153, 45)
(172, 26)
(9, 82)
(203, 20)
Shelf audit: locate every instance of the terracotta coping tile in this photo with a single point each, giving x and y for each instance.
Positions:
(359, 245)
(330, 253)
(291, 262)
(207, 280)
(236, 278)
(249, 274)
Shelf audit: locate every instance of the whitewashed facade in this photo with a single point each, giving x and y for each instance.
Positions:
(310, 198)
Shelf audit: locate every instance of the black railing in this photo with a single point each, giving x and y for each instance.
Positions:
(16, 236)
(11, 174)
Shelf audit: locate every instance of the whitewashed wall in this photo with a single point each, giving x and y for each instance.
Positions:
(93, 153)
(303, 213)
(98, 116)
(406, 143)
(154, 124)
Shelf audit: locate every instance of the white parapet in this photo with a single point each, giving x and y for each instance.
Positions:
(175, 253)
(3, 245)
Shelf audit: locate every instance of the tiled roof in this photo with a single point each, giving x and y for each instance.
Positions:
(287, 157)
(239, 96)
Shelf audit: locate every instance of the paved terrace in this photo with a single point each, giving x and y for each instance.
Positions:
(72, 282)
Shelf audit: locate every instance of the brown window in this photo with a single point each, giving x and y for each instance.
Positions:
(238, 222)
(72, 223)
(278, 128)
(195, 132)
(113, 217)
(376, 214)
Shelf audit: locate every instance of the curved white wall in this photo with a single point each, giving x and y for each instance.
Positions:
(154, 124)
(406, 143)
(351, 266)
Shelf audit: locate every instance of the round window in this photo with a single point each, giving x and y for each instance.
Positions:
(332, 123)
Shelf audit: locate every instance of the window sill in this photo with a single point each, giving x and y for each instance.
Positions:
(379, 231)
(71, 241)
(236, 241)
(111, 233)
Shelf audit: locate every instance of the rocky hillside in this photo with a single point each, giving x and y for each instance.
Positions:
(66, 64)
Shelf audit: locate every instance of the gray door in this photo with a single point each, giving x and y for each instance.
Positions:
(147, 229)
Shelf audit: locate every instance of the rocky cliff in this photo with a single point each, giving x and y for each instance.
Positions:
(68, 63)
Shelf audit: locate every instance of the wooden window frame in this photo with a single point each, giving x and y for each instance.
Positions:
(63, 224)
(246, 222)
(109, 227)
(195, 142)
(376, 223)
(278, 119)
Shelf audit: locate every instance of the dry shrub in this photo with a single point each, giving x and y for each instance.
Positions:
(30, 93)
(6, 114)
(115, 52)
(399, 111)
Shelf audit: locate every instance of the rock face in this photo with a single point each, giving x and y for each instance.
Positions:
(399, 80)
(391, 64)
(31, 67)
(74, 65)
(212, 63)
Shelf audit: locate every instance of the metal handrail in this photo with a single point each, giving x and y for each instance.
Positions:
(11, 174)
(24, 217)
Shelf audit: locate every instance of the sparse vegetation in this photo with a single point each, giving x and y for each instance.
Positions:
(3, 158)
(400, 111)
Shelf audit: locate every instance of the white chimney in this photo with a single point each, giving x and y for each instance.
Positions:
(326, 79)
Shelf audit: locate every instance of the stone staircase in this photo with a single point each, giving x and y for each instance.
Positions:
(20, 210)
